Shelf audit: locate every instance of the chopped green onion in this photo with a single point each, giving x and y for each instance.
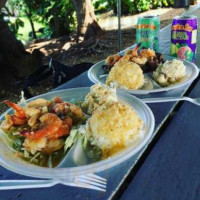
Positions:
(17, 144)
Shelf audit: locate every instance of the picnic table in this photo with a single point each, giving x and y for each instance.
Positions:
(167, 168)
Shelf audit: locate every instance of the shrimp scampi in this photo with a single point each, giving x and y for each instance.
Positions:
(42, 125)
(147, 59)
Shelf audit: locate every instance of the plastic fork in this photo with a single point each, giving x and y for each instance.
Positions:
(195, 101)
(90, 181)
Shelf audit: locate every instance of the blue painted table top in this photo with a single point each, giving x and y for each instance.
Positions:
(170, 171)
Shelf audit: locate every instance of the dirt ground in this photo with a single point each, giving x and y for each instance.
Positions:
(55, 47)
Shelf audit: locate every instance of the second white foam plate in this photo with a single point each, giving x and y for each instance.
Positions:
(96, 75)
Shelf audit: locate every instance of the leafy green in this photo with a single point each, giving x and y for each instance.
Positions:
(132, 6)
(73, 135)
(50, 163)
(26, 154)
(92, 151)
(18, 143)
(55, 18)
(33, 159)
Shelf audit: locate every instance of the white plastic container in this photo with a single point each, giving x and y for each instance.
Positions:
(9, 160)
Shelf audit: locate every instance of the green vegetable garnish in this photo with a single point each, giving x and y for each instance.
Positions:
(18, 143)
(73, 135)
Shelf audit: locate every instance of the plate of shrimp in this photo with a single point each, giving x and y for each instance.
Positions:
(36, 135)
(37, 130)
(143, 71)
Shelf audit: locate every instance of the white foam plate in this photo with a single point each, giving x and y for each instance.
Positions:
(96, 75)
(9, 160)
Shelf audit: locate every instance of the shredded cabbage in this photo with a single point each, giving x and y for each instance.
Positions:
(73, 135)
(33, 159)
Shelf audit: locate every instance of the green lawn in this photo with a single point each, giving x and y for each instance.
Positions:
(24, 31)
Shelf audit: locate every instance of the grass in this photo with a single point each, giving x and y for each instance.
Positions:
(24, 31)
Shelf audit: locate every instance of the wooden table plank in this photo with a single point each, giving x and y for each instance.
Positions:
(172, 170)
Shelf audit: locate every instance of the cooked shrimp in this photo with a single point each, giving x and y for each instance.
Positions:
(147, 53)
(135, 50)
(33, 145)
(48, 143)
(61, 108)
(19, 111)
(18, 121)
(50, 124)
(30, 112)
(111, 60)
(33, 121)
(116, 59)
(44, 145)
(68, 109)
(33, 115)
(57, 100)
(127, 57)
(19, 117)
(64, 129)
(7, 123)
(53, 145)
(38, 103)
(128, 52)
(139, 60)
(76, 113)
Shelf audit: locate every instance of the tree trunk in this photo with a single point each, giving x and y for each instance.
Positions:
(57, 23)
(15, 62)
(85, 15)
(33, 28)
(87, 26)
(29, 15)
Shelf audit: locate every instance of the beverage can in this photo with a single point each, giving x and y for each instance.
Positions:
(184, 37)
(147, 32)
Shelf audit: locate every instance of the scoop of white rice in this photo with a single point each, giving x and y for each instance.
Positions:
(126, 75)
(114, 127)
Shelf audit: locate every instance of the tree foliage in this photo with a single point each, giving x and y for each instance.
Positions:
(58, 16)
(131, 6)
